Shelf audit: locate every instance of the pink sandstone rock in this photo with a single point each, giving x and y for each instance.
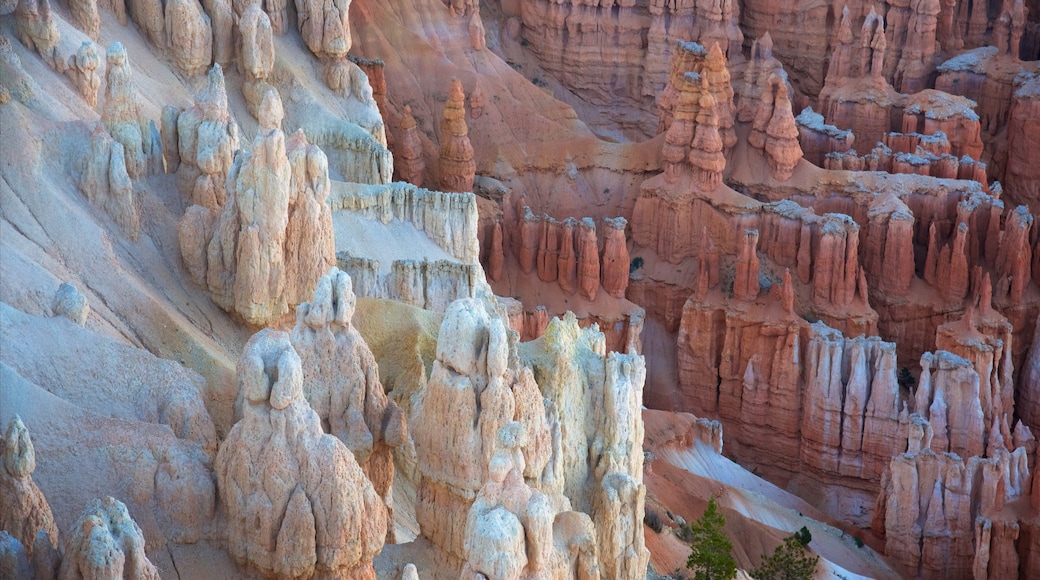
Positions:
(615, 259)
(408, 155)
(457, 166)
(588, 265)
(83, 70)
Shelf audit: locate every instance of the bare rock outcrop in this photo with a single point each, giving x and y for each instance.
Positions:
(189, 36)
(615, 259)
(106, 544)
(36, 28)
(256, 54)
(298, 503)
(948, 396)
(457, 166)
(472, 393)
(200, 143)
(105, 181)
(941, 514)
(341, 383)
(70, 303)
(853, 421)
(408, 155)
(261, 253)
(513, 530)
(83, 70)
(121, 112)
(774, 129)
(24, 511)
(595, 466)
(325, 29)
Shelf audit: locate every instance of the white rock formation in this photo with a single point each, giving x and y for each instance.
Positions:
(341, 383)
(106, 544)
(298, 503)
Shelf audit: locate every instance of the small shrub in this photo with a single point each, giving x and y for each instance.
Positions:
(858, 542)
(791, 560)
(635, 264)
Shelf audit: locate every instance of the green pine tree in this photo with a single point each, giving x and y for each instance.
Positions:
(710, 555)
(791, 560)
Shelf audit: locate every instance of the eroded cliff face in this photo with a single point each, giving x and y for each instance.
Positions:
(735, 238)
(533, 463)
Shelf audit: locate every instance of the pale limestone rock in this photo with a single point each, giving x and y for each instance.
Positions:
(410, 573)
(472, 393)
(68, 302)
(309, 240)
(24, 511)
(86, 17)
(205, 138)
(513, 531)
(298, 503)
(121, 111)
(189, 36)
(592, 405)
(106, 544)
(256, 54)
(325, 30)
(36, 28)
(83, 70)
(341, 383)
(105, 181)
(261, 248)
(222, 23)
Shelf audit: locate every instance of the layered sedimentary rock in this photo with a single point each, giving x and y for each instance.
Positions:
(325, 29)
(817, 138)
(1028, 395)
(457, 167)
(595, 50)
(261, 251)
(105, 543)
(24, 511)
(596, 466)
(200, 143)
(531, 459)
(298, 503)
(933, 505)
(409, 164)
(1023, 130)
(615, 260)
(341, 383)
(781, 133)
(853, 419)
